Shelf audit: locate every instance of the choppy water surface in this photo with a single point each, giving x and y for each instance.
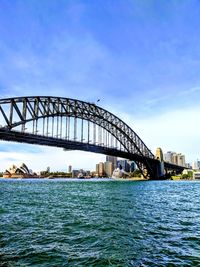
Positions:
(99, 223)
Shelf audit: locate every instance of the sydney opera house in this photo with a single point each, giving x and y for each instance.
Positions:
(19, 172)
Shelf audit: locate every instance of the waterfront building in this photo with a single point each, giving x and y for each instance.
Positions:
(124, 165)
(108, 168)
(19, 172)
(82, 171)
(93, 174)
(113, 160)
(196, 175)
(159, 154)
(75, 173)
(117, 173)
(87, 173)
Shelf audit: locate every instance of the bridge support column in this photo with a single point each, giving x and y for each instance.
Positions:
(161, 170)
(158, 171)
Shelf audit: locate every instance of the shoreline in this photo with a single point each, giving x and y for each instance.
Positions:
(130, 179)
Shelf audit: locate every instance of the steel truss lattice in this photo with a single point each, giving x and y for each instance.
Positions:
(56, 112)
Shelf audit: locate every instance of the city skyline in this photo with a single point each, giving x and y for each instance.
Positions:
(133, 57)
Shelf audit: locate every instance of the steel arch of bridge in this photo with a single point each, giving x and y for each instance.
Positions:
(19, 111)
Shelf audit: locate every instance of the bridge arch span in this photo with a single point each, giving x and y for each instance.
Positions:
(48, 112)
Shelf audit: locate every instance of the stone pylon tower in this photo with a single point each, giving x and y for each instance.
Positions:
(159, 156)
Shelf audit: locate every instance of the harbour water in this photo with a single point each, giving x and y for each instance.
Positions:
(99, 223)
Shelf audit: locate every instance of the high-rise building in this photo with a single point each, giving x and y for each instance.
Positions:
(97, 169)
(178, 159)
(174, 158)
(196, 165)
(108, 168)
(70, 168)
(123, 164)
(181, 160)
(132, 166)
(113, 160)
(159, 154)
(101, 169)
(168, 156)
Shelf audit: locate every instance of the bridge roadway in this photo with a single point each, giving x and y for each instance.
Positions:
(20, 137)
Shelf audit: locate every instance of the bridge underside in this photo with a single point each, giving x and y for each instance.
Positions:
(15, 136)
(172, 168)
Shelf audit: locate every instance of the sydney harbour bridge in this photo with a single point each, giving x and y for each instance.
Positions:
(76, 125)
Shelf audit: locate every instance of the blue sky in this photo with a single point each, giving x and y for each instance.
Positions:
(141, 58)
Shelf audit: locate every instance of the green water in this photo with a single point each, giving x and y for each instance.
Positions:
(99, 223)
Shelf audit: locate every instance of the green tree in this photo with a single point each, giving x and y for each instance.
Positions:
(137, 173)
(184, 176)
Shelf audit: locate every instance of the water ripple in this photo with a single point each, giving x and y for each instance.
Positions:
(104, 223)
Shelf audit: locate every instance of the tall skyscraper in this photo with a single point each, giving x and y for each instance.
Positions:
(101, 169)
(132, 166)
(174, 158)
(113, 160)
(123, 164)
(97, 169)
(168, 156)
(70, 168)
(108, 168)
(181, 160)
